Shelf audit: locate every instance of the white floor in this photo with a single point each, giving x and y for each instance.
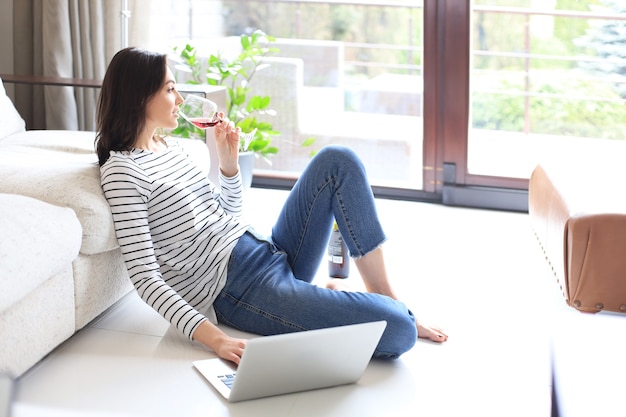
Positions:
(478, 274)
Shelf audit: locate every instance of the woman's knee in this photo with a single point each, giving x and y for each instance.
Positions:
(340, 156)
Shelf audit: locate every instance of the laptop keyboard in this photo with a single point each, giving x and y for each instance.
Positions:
(228, 379)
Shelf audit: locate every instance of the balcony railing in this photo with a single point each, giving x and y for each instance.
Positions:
(412, 51)
(527, 56)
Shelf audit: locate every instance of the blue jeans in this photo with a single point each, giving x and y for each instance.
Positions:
(268, 289)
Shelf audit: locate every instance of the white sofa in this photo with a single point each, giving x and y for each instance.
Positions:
(65, 264)
(37, 300)
(60, 263)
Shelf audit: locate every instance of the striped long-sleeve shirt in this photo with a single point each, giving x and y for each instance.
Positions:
(176, 230)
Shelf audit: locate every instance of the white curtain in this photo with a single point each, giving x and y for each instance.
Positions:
(69, 39)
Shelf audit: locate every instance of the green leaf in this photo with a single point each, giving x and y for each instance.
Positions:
(258, 144)
(239, 96)
(270, 151)
(245, 42)
(308, 142)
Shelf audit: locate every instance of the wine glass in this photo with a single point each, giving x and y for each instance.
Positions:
(199, 111)
(202, 113)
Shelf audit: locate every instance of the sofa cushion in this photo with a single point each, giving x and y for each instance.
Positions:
(580, 221)
(38, 241)
(10, 120)
(61, 168)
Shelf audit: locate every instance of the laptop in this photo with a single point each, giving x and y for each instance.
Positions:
(293, 362)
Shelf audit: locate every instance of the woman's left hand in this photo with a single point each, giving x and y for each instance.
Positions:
(227, 142)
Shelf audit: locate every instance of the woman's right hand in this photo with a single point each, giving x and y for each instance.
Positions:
(227, 143)
(226, 347)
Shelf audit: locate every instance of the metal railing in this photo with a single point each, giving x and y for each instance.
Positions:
(527, 56)
(411, 49)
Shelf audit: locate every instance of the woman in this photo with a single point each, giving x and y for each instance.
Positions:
(192, 258)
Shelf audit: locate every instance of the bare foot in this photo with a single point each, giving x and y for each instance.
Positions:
(339, 284)
(434, 334)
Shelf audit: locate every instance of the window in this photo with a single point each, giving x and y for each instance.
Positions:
(546, 76)
(359, 81)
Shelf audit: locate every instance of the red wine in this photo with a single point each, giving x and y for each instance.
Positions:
(203, 122)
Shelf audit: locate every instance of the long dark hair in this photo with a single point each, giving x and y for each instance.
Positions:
(133, 77)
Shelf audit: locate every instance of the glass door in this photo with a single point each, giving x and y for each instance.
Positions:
(445, 100)
(520, 81)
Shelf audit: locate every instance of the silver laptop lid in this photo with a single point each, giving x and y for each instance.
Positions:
(307, 360)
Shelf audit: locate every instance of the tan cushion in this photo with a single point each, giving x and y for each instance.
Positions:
(580, 221)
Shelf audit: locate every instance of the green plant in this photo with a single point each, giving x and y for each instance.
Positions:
(235, 75)
(563, 103)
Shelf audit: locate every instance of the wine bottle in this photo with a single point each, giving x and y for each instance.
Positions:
(338, 257)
